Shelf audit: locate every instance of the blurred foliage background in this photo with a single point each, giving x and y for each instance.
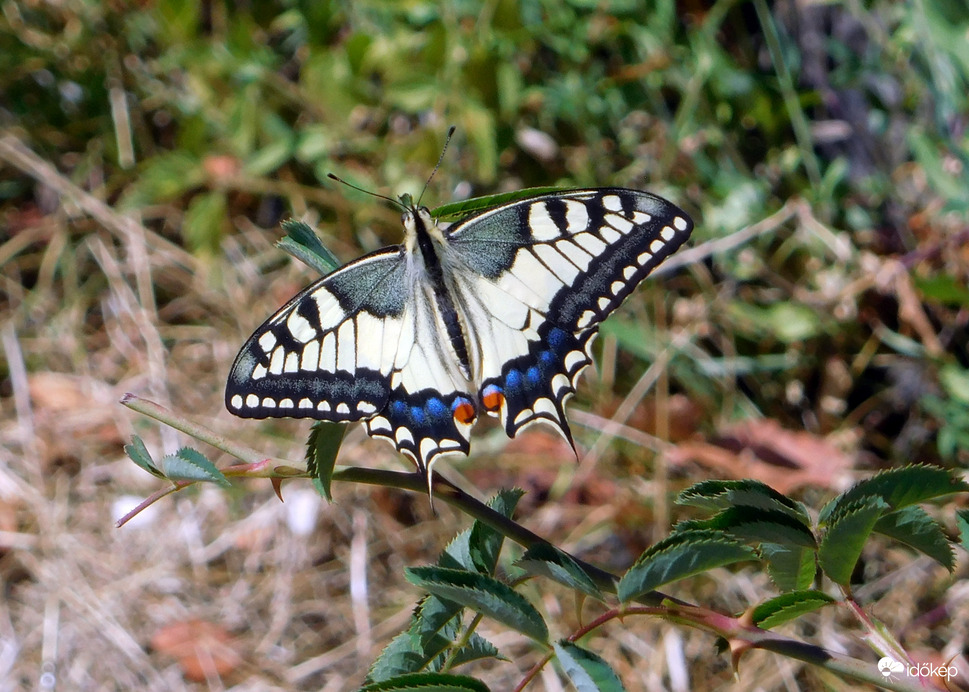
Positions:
(149, 151)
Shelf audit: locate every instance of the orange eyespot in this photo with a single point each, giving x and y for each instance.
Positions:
(493, 399)
(464, 412)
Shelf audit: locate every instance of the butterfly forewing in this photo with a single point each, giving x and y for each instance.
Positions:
(529, 282)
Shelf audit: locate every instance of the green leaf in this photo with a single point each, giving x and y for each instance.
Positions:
(962, 521)
(789, 606)
(787, 322)
(468, 206)
(436, 617)
(913, 527)
(322, 448)
(716, 494)
(942, 288)
(682, 555)
(188, 464)
(758, 525)
(846, 536)
(790, 568)
(477, 648)
(483, 594)
(484, 542)
(585, 670)
(899, 488)
(303, 244)
(955, 381)
(402, 655)
(138, 453)
(428, 682)
(204, 220)
(270, 157)
(546, 560)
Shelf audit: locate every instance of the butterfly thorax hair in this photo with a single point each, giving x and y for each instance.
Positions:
(426, 247)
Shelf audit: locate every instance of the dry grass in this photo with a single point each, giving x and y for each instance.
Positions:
(97, 304)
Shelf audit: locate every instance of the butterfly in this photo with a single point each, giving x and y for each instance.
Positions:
(495, 314)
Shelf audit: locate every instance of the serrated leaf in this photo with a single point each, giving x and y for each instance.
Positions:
(484, 543)
(900, 488)
(546, 560)
(682, 555)
(913, 527)
(477, 648)
(457, 553)
(790, 568)
(436, 617)
(399, 657)
(757, 524)
(468, 206)
(322, 448)
(847, 533)
(303, 244)
(138, 453)
(483, 594)
(962, 521)
(789, 606)
(189, 464)
(428, 682)
(585, 670)
(718, 495)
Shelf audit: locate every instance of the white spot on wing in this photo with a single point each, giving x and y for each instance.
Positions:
(403, 436)
(267, 341)
(259, 372)
(656, 246)
(616, 287)
(612, 203)
(680, 223)
(268, 403)
(620, 223)
(604, 303)
(300, 328)
(541, 224)
(667, 233)
(591, 243)
(277, 360)
(366, 407)
(286, 403)
(252, 401)
(641, 217)
(342, 408)
(331, 314)
(236, 401)
(328, 353)
(346, 348)
(585, 319)
(576, 216)
(644, 258)
(576, 255)
(574, 359)
(305, 403)
(292, 362)
(629, 272)
(610, 235)
(311, 356)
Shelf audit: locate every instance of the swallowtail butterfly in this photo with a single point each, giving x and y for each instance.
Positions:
(495, 314)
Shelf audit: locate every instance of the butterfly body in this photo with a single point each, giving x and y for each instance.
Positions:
(495, 313)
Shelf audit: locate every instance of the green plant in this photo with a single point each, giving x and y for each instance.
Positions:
(807, 554)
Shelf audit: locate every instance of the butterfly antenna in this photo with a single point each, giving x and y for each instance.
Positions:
(447, 141)
(395, 202)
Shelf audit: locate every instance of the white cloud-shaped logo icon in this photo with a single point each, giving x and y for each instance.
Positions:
(889, 665)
